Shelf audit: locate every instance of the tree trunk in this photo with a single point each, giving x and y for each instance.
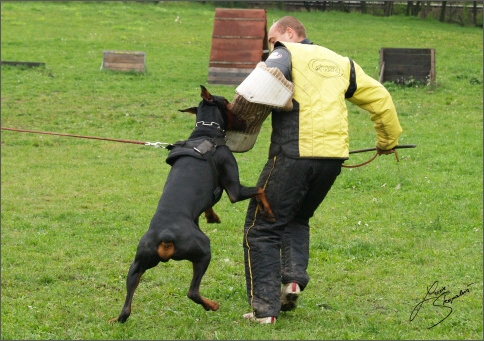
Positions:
(307, 6)
(425, 9)
(363, 7)
(388, 8)
(342, 6)
(474, 13)
(408, 11)
(442, 11)
(416, 9)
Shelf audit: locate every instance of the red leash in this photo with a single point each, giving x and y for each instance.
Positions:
(155, 144)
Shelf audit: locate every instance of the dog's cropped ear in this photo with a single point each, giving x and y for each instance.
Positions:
(205, 94)
(192, 110)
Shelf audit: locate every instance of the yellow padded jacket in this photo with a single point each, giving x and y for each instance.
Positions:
(322, 78)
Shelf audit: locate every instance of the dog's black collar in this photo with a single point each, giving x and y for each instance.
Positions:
(208, 124)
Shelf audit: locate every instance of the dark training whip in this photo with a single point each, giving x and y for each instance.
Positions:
(373, 149)
(393, 151)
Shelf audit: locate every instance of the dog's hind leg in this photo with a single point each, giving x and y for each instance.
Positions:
(146, 258)
(198, 252)
(199, 269)
(132, 281)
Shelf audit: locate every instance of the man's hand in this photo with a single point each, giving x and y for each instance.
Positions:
(384, 152)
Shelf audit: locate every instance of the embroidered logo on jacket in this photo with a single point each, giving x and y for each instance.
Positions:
(325, 68)
(275, 55)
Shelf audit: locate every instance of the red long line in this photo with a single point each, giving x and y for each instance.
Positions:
(72, 135)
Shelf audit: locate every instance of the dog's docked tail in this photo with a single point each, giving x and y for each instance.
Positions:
(166, 248)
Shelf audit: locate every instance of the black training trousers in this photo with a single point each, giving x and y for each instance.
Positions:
(278, 252)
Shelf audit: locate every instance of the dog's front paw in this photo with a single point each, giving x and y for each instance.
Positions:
(266, 214)
(213, 219)
(211, 216)
(269, 217)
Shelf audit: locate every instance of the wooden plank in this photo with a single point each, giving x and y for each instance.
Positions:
(407, 68)
(124, 66)
(230, 13)
(408, 59)
(26, 64)
(239, 28)
(406, 51)
(123, 58)
(124, 61)
(230, 72)
(399, 75)
(120, 52)
(247, 50)
(233, 65)
(227, 75)
(432, 66)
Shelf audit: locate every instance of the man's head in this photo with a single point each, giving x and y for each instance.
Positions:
(287, 29)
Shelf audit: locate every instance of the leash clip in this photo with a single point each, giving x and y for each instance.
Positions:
(157, 144)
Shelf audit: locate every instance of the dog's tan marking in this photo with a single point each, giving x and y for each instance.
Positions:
(166, 250)
(209, 304)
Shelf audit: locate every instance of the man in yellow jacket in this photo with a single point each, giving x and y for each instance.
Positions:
(308, 147)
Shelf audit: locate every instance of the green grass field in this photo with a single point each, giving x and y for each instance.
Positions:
(73, 210)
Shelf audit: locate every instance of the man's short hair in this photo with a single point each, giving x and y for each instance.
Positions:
(296, 25)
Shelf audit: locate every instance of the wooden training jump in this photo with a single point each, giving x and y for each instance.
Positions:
(403, 64)
(239, 42)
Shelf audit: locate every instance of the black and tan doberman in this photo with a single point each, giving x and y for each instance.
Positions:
(202, 167)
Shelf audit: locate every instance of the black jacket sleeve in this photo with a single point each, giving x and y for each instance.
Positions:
(281, 59)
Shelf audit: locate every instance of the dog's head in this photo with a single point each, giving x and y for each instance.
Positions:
(215, 109)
